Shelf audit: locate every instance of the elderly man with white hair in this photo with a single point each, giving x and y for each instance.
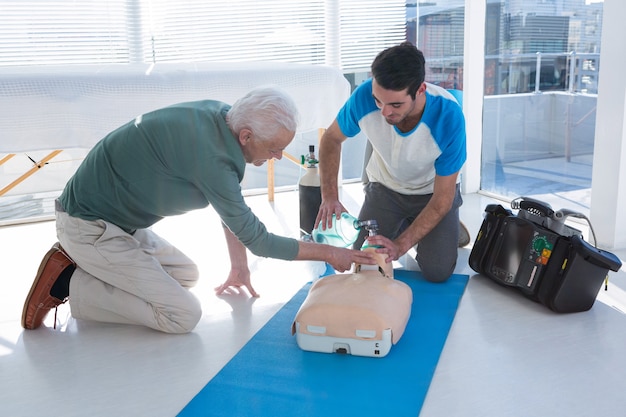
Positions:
(112, 267)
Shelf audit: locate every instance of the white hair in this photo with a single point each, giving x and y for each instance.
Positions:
(265, 111)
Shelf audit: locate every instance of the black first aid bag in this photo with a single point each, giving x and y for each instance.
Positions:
(537, 253)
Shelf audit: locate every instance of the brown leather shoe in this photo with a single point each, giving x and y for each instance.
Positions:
(39, 301)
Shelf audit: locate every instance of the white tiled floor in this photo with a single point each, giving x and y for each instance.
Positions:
(505, 355)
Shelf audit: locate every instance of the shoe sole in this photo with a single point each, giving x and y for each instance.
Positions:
(464, 236)
(56, 248)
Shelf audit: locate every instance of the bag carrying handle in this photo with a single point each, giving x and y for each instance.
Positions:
(536, 207)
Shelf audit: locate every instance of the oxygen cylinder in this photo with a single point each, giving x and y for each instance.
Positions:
(309, 192)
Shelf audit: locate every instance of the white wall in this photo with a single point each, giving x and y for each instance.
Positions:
(473, 88)
(608, 185)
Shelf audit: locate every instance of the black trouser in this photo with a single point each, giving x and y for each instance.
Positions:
(437, 252)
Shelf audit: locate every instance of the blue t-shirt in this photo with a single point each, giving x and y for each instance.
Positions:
(408, 162)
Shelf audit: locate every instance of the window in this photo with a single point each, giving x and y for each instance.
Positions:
(50, 36)
(541, 68)
(342, 33)
(440, 37)
(66, 32)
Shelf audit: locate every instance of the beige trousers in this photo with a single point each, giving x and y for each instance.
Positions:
(132, 279)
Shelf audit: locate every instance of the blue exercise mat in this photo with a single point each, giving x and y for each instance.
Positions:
(271, 376)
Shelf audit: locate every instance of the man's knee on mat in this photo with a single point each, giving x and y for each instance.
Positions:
(436, 273)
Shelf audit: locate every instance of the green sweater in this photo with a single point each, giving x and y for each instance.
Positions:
(168, 162)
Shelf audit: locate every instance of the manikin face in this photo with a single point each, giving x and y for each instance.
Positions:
(257, 152)
(398, 107)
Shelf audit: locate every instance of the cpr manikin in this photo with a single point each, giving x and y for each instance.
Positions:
(361, 313)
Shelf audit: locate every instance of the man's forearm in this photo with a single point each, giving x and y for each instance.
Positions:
(427, 220)
(436, 209)
(330, 157)
(236, 250)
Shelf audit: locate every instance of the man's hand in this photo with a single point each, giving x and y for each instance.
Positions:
(239, 275)
(343, 259)
(330, 160)
(325, 214)
(389, 247)
(237, 278)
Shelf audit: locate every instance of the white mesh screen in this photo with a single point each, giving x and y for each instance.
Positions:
(74, 107)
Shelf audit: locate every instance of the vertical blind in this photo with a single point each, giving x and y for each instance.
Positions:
(343, 33)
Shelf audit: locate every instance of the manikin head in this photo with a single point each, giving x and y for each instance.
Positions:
(381, 267)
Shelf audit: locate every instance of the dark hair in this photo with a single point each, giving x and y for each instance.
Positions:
(400, 67)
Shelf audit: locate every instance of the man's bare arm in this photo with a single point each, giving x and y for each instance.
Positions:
(330, 159)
